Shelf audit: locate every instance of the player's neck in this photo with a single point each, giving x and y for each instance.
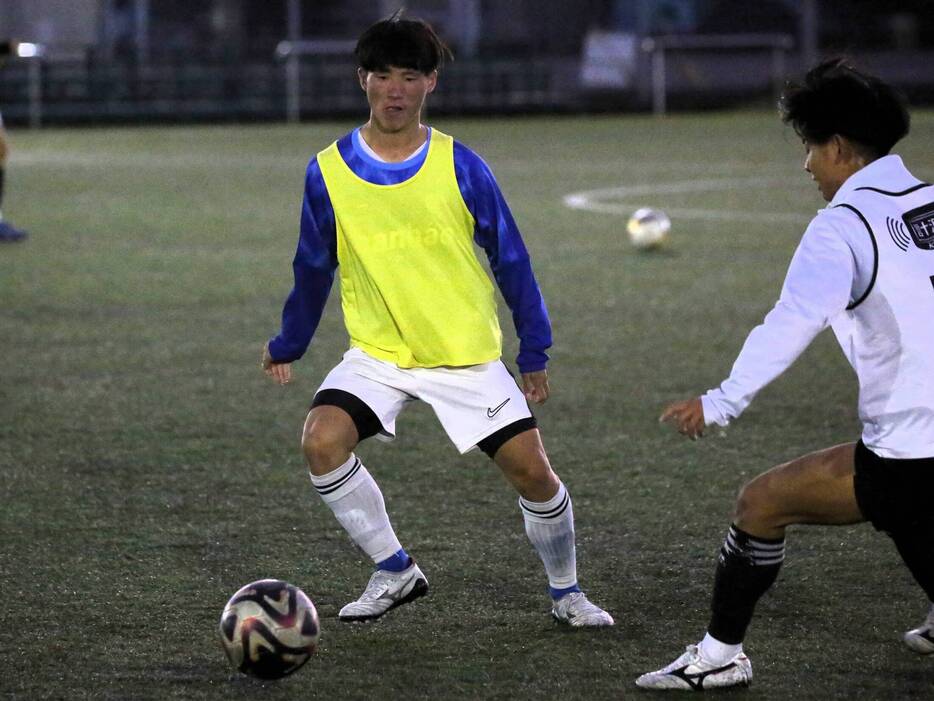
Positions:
(396, 146)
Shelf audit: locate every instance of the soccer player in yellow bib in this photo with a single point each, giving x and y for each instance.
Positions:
(396, 208)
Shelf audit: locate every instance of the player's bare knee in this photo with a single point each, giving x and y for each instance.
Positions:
(540, 476)
(754, 507)
(534, 480)
(324, 450)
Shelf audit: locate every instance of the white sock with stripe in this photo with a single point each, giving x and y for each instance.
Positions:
(550, 527)
(355, 498)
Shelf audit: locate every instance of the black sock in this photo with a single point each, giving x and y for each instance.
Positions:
(746, 569)
(916, 546)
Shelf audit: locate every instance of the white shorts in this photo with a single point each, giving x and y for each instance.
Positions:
(471, 403)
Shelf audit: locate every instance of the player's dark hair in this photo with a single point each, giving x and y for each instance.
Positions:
(836, 98)
(403, 43)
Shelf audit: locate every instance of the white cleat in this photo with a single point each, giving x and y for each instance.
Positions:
(691, 672)
(385, 591)
(921, 639)
(576, 610)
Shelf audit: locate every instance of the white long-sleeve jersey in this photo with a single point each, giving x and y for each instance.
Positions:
(865, 266)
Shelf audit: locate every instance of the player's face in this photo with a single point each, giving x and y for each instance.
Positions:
(827, 166)
(396, 96)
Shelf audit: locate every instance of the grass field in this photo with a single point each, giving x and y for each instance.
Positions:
(148, 469)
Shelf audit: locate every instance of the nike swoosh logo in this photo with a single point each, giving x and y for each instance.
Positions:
(493, 412)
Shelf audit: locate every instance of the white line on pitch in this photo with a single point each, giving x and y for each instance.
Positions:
(610, 200)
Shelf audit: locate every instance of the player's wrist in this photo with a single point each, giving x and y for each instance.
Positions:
(712, 413)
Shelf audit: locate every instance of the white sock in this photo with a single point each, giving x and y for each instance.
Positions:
(356, 501)
(550, 527)
(717, 653)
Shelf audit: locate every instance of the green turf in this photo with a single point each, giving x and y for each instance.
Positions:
(148, 469)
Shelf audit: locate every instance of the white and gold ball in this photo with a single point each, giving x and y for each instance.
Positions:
(648, 228)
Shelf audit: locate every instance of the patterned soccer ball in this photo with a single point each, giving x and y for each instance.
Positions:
(648, 228)
(269, 629)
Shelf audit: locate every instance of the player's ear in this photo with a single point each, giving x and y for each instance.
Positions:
(361, 76)
(432, 81)
(846, 151)
(840, 148)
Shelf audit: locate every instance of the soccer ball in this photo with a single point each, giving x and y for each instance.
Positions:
(648, 228)
(269, 629)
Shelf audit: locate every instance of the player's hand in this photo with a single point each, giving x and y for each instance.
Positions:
(686, 416)
(535, 386)
(279, 372)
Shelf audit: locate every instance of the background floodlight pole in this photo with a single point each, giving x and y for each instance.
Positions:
(656, 51)
(292, 65)
(35, 92)
(33, 54)
(807, 32)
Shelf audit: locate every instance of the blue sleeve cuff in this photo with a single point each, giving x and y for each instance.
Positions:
(532, 362)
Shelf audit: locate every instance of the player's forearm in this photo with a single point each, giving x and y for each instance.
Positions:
(530, 316)
(769, 350)
(817, 287)
(301, 314)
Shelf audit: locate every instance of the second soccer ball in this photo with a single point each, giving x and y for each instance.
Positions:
(648, 228)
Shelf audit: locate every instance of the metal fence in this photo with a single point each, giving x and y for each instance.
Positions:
(665, 74)
(83, 92)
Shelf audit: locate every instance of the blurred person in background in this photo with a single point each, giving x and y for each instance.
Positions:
(8, 232)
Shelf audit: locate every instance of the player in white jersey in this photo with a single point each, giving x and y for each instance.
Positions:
(865, 266)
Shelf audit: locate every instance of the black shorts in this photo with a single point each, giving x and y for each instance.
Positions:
(894, 495)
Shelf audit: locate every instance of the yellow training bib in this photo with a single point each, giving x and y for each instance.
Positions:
(412, 290)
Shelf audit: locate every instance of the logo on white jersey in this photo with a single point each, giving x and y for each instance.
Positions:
(920, 223)
(897, 231)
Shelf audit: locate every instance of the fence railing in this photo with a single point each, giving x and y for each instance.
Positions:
(659, 48)
(679, 71)
(302, 86)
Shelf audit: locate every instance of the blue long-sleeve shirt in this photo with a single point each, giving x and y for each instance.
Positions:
(495, 231)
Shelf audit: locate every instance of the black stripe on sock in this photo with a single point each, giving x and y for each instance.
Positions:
(338, 483)
(549, 513)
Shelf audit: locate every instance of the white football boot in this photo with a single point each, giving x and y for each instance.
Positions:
(921, 639)
(385, 591)
(576, 610)
(691, 672)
